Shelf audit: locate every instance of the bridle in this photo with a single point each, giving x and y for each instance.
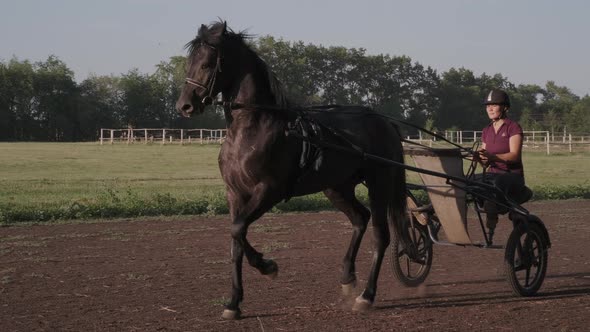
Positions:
(210, 83)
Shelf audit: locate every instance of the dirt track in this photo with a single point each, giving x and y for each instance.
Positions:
(160, 276)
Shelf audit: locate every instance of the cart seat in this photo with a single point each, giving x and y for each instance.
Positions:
(524, 196)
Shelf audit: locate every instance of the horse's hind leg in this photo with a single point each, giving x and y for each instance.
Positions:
(344, 199)
(381, 239)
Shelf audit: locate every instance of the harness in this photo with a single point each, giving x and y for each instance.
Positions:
(311, 155)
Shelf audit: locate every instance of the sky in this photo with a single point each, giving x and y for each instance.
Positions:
(529, 42)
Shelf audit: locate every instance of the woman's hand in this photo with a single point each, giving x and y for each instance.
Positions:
(483, 157)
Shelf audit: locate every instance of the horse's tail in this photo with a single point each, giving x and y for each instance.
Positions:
(397, 202)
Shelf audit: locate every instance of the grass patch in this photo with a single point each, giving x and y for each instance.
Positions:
(5, 280)
(28, 244)
(136, 276)
(268, 228)
(42, 182)
(13, 238)
(275, 246)
(36, 275)
(218, 261)
(222, 301)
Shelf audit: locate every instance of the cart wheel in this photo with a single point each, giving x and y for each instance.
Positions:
(411, 267)
(525, 260)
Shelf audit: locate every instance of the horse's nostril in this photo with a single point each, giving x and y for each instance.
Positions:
(187, 107)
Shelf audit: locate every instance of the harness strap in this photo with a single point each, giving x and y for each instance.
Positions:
(319, 109)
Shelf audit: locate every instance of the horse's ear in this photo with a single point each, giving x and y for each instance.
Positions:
(202, 31)
(224, 31)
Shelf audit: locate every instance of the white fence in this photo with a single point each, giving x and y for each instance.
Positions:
(532, 140)
(162, 136)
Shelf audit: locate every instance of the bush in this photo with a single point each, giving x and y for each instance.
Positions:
(561, 192)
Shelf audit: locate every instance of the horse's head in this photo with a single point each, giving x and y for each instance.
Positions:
(203, 81)
(220, 60)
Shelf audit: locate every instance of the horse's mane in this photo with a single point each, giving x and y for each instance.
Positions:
(212, 35)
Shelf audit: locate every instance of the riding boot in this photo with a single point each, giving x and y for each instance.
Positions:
(491, 222)
(491, 236)
(491, 219)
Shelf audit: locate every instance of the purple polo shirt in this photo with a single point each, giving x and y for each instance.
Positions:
(498, 143)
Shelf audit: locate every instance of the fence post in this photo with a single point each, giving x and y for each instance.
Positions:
(547, 139)
(570, 143)
(145, 136)
(181, 136)
(163, 136)
(201, 135)
(112, 136)
(101, 136)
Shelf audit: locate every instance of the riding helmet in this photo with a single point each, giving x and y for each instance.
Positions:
(497, 97)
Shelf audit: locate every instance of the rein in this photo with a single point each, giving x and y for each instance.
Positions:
(233, 105)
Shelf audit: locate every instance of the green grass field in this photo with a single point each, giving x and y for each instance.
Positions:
(38, 178)
(32, 173)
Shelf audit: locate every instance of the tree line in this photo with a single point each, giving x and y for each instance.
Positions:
(42, 101)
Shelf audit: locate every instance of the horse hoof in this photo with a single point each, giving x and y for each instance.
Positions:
(348, 289)
(361, 304)
(272, 275)
(231, 314)
(271, 270)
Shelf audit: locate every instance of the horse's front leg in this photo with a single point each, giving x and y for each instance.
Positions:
(243, 215)
(255, 259)
(241, 246)
(232, 309)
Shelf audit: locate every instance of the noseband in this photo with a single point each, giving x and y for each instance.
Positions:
(208, 86)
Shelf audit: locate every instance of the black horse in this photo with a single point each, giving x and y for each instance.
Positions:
(262, 165)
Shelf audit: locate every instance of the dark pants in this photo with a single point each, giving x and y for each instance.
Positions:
(511, 184)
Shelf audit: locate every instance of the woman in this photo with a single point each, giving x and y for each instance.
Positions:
(501, 152)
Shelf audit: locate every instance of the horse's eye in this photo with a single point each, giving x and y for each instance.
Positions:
(204, 66)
